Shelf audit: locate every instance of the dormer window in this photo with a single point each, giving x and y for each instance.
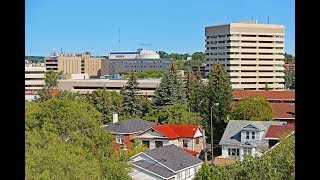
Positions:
(247, 134)
(253, 135)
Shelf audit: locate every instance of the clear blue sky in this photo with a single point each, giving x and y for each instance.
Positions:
(166, 25)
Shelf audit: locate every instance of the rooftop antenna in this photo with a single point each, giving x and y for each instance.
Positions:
(268, 19)
(61, 50)
(119, 38)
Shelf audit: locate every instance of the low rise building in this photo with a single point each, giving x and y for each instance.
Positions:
(250, 137)
(124, 132)
(167, 162)
(188, 137)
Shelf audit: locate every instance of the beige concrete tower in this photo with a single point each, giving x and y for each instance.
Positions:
(251, 53)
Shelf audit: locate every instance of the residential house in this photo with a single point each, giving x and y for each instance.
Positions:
(167, 162)
(186, 136)
(125, 131)
(282, 102)
(250, 137)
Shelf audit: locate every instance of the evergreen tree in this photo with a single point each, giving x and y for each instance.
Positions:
(190, 85)
(146, 104)
(101, 100)
(171, 89)
(198, 92)
(131, 101)
(218, 91)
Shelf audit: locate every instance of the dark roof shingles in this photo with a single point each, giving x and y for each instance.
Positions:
(173, 157)
(154, 167)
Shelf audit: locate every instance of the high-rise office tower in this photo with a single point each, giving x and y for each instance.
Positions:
(251, 53)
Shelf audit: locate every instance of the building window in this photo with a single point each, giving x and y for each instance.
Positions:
(146, 143)
(197, 140)
(185, 143)
(187, 173)
(119, 138)
(253, 135)
(233, 152)
(247, 151)
(247, 134)
(159, 143)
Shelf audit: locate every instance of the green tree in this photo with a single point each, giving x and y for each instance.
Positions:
(101, 99)
(51, 81)
(204, 173)
(152, 73)
(64, 140)
(136, 147)
(289, 79)
(252, 108)
(197, 92)
(174, 114)
(289, 59)
(146, 104)
(266, 86)
(162, 54)
(131, 101)
(198, 56)
(218, 91)
(171, 89)
(75, 96)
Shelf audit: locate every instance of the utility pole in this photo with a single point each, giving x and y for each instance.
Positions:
(204, 145)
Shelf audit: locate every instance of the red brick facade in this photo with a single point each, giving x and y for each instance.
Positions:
(128, 139)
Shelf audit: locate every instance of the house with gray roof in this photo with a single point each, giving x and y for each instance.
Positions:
(166, 162)
(124, 132)
(245, 137)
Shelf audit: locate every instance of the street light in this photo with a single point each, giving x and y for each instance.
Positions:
(214, 104)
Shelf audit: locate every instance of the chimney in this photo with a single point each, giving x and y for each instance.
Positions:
(115, 118)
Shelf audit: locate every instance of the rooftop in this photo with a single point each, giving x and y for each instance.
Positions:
(173, 131)
(284, 110)
(275, 131)
(173, 157)
(269, 95)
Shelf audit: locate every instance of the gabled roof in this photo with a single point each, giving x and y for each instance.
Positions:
(232, 133)
(269, 95)
(275, 131)
(129, 126)
(173, 131)
(284, 110)
(173, 157)
(251, 127)
(154, 168)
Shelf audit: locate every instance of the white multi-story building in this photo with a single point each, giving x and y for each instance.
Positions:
(251, 53)
(34, 80)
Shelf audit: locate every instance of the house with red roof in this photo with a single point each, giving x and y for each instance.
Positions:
(189, 137)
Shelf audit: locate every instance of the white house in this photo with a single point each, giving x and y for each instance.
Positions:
(249, 137)
(167, 162)
(188, 137)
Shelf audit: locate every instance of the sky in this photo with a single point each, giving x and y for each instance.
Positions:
(173, 26)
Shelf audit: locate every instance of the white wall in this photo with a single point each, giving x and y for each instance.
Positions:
(141, 174)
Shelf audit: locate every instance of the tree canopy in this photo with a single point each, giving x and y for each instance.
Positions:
(174, 114)
(253, 108)
(51, 81)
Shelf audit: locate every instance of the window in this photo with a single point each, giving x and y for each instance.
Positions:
(185, 143)
(187, 173)
(197, 140)
(147, 143)
(247, 151)
(159, 143)
(233, 152)
(247, 134)
(119, 138)
(253, 135)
